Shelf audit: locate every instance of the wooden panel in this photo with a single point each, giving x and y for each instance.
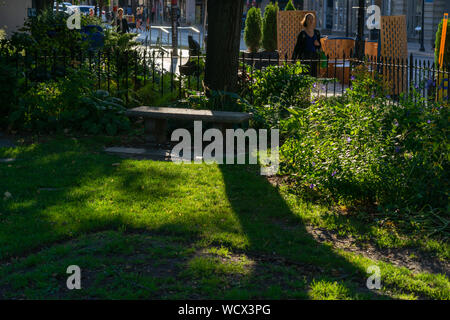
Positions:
(394, 49)
(393, 37)
(371, 49)
(289, 26)
(337, 48)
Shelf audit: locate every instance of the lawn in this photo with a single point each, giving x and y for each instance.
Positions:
(142, 229)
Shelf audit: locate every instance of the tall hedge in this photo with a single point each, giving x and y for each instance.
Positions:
(447, 44)
(269, 41)
(253, 29)
(289, 6)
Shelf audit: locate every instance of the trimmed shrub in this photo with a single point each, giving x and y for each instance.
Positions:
(269, 41)
(447, 44)
(290, 6)
(253, 29)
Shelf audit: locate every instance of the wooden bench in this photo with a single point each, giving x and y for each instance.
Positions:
(156, 119)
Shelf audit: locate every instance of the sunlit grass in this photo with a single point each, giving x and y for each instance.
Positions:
(146, 229)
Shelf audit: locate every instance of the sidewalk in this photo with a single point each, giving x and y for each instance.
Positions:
(414, 49)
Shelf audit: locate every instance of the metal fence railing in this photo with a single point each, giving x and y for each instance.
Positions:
(125, 72)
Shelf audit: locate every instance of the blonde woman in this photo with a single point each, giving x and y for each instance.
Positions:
(308, 43)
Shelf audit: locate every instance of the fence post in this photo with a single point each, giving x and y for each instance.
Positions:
(108, 57)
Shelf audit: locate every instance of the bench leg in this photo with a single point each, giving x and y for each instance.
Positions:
(156, 131)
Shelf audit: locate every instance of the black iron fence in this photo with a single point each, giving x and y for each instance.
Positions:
(402, 77)
(123, 73)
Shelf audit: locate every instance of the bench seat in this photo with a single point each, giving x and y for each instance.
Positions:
(156, 119)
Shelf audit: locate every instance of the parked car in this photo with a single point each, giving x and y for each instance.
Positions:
(64, 7)
(85, 10)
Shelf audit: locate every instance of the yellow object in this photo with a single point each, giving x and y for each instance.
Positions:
(442, 81)
(443, 37)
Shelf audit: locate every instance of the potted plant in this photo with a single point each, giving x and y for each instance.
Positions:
(290, 6)
(269, 33)
(253, 30)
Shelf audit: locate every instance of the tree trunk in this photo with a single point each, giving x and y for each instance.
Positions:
(223, 42)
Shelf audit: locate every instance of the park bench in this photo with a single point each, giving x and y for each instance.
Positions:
(156, 119)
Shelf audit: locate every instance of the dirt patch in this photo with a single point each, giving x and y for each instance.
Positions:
(410, 258)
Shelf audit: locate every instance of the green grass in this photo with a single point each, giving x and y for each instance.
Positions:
(158, 230)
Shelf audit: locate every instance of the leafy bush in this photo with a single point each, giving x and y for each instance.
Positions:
(269, 41)
(69, 103)
(289, 6)
(47, 32)
(447, 44)
(97, 113)
(360, 148)
(150, 94)
(275, 90)
(9, 90)
(217, 101)
(253, 29)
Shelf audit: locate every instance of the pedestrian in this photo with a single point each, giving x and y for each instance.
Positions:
(308, 44)
(91, 12)
(122, 23)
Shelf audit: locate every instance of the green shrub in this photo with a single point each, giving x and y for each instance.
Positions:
(290, 6)
(9, 90)
(47, 32)
(217, 101)
(361, 149)
(253, 29)
(269, 41)
(276, 89)
(447, 44)
(69, 103)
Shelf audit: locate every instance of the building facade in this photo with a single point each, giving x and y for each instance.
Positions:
(13, 14)
(339, 17)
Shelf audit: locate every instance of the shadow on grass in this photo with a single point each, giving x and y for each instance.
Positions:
(269, 253)
(276, 234)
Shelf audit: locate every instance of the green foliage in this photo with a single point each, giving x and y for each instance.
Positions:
(150, 94)
(269, 41)
(253, 29)
(48, 31)
(69, 103)
(290, 6)
(447, 44)
(9, 90)
(98, 113)
(217, 101)
(360, 148)
(275, 90)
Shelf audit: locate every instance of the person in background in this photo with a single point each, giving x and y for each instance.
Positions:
(153, 13)
(308, 44)
(139, 18)
(122, 23)
(91, 12)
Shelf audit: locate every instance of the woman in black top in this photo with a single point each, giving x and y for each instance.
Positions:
(122, 24)
(308, 43)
